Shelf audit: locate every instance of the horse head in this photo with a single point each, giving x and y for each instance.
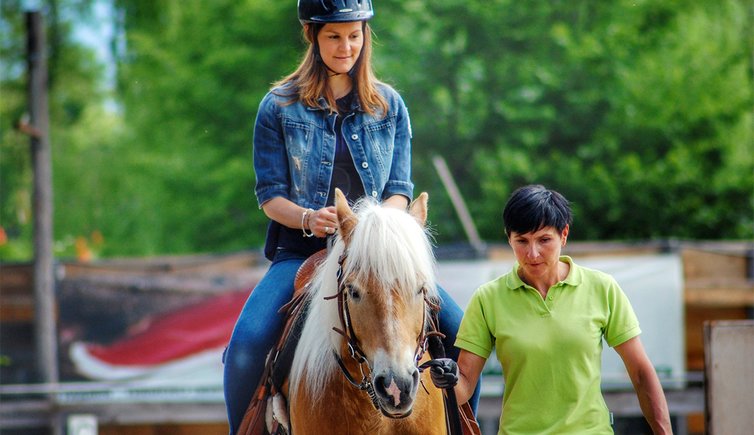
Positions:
(371, 306)
(387, 273)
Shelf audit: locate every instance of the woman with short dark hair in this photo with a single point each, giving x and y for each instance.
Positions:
(546, 320)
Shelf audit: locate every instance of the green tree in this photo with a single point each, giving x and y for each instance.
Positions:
(640, 112)
(191, 77)
(75, 96)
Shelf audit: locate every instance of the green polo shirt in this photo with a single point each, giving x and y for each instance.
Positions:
(550, 350)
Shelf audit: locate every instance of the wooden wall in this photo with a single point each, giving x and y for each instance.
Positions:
(718, 286)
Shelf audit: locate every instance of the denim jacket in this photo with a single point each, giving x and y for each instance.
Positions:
(294, 150)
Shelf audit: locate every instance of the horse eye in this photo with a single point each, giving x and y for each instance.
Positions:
(353, 292)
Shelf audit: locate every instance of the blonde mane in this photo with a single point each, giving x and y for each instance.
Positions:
(388, 245)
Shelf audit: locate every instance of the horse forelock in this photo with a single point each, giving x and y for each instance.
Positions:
(390, 246)
(387, 245)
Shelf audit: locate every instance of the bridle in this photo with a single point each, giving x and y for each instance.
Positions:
(429, 328)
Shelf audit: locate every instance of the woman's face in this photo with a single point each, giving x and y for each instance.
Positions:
(538, 252)
(340, 45)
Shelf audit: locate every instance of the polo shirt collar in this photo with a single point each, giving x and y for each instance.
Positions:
(513, 281)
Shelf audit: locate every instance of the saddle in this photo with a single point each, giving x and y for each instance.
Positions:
(267, 412)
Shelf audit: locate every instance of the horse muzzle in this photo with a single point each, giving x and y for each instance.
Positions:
(396, 394)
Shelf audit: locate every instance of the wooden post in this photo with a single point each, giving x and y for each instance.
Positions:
(729, 376)
(44, 285)
(463, 212)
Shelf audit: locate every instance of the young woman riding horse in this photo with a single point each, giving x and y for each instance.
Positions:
(329, 124)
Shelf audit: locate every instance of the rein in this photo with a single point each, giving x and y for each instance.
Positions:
(354, 349)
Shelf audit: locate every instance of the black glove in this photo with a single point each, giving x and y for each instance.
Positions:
(444, 373)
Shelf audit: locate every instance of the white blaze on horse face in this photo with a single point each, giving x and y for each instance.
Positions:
(393, 349)
(395, 392)
(395, 346)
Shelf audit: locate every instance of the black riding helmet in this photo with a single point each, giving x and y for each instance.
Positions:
(334, 11)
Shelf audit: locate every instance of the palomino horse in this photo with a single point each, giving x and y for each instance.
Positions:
(355, 368)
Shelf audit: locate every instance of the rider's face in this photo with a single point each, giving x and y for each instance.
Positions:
(340, 45)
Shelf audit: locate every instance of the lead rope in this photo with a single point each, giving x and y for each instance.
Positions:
(452, 413)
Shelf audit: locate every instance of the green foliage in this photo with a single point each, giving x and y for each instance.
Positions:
(640, 112)
(190, 93)
(15, 170)
(74, 90)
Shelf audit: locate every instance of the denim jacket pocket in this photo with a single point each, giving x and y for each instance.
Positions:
(298, 136)
(381, 134)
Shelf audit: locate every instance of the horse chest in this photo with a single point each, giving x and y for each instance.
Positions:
(342, 410)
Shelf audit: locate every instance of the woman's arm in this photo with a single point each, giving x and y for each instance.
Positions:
(469, 368)
(289, 214)
(399, 178)
(647, 385)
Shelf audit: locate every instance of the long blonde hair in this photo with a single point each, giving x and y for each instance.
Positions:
(308, 83)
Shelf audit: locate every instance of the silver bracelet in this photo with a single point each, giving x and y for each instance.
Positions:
(305, 220)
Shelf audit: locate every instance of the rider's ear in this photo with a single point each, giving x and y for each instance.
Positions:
(418, 208)
(346, 217)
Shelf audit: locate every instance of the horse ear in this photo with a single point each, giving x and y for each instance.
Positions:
(418, 208)
(346, 217)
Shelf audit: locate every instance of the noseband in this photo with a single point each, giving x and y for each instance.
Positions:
(354, 349)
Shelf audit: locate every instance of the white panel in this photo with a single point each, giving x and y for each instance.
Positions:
(654, 285)
(82, 424)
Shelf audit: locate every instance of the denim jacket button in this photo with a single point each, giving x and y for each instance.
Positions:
(374, 193)
(365, 165)
(355, 136)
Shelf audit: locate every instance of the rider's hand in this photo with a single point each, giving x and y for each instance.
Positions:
(324, 222)
(444, 373)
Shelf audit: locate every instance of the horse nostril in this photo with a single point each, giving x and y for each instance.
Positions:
(379, 385)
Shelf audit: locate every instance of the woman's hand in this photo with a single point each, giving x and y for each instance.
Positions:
(322, 222)
(443, 372)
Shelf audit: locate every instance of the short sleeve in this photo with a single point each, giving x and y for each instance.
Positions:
(474, 334)
(622, 324)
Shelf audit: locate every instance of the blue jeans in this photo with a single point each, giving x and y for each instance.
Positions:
(259, 326)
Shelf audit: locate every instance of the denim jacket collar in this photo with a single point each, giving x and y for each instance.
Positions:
(355, 103)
